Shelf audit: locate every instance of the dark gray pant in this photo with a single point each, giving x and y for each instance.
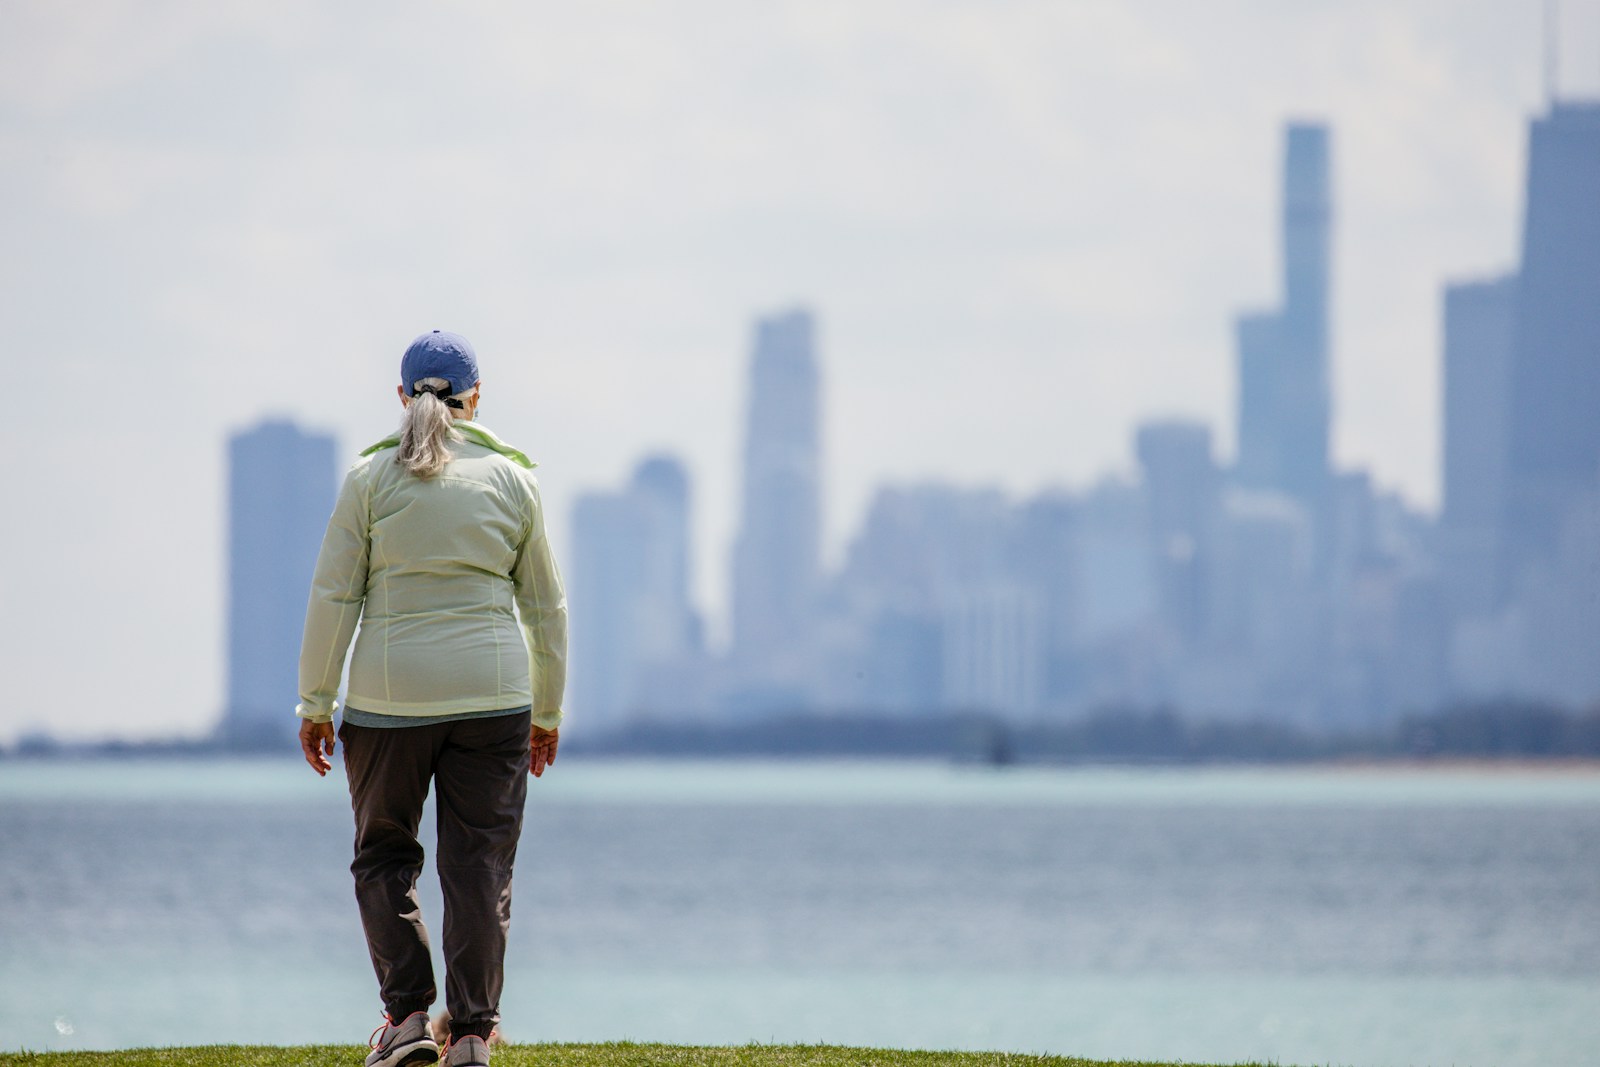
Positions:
(481, 768)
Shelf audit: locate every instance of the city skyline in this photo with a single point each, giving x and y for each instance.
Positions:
(1247, 566)
(966, 601)
(1019, 248)
(1276, 586)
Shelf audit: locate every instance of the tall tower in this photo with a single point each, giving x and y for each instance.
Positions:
(776, 556)
(1307, 219)
(1554, 432)
(670, 628)
(1284, 405)
(1479, 319)
(281, 483)
(632, 620)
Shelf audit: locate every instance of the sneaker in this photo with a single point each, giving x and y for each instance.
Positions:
(404, 1043)
(469, 1051)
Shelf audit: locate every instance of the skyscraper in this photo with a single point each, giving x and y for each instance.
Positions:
(1183, 493)
(1284, 407)
(669, 625)
(281, 484)
(775, 565)
(1256, 339)
(1554, 434)
(1479, 319)
(631, 617)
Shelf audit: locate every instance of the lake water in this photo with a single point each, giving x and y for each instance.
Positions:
(1333, 916)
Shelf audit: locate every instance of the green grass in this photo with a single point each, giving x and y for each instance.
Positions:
(614, 1054)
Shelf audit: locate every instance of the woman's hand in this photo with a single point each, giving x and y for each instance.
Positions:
(544, 749)
(316, 743)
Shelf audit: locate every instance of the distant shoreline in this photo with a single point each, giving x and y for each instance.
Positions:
(1553, 766)
(1495, 735)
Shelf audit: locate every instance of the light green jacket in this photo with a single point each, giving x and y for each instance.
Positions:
(437, 572)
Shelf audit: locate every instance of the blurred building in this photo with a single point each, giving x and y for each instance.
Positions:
(1551, 536)
(1183, 487)
(1383, 649)
(1044, 550)
(776, 560)
(281, 487)
(1264, 615)
(1117, 585)
(927, 564)
(636, 638)
(1479, 327)
(992, 651)
(1519, 538)
(1554, 435)
(1284, 407)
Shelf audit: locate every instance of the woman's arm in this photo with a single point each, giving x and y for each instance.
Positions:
(338, 590)
(542, 608)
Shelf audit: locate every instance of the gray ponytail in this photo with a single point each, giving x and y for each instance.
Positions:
(426, 430)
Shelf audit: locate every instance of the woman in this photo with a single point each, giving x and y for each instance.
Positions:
(438, 531)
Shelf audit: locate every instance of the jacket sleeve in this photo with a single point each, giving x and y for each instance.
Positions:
(542, 608)
(338, 590)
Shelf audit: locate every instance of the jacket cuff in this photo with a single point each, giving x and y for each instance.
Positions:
(316, 714)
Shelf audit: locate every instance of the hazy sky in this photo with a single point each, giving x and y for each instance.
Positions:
(1024, 227)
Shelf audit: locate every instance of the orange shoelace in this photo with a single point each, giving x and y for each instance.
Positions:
(372, 1042)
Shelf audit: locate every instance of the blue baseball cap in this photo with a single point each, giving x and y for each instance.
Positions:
(439, 354)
